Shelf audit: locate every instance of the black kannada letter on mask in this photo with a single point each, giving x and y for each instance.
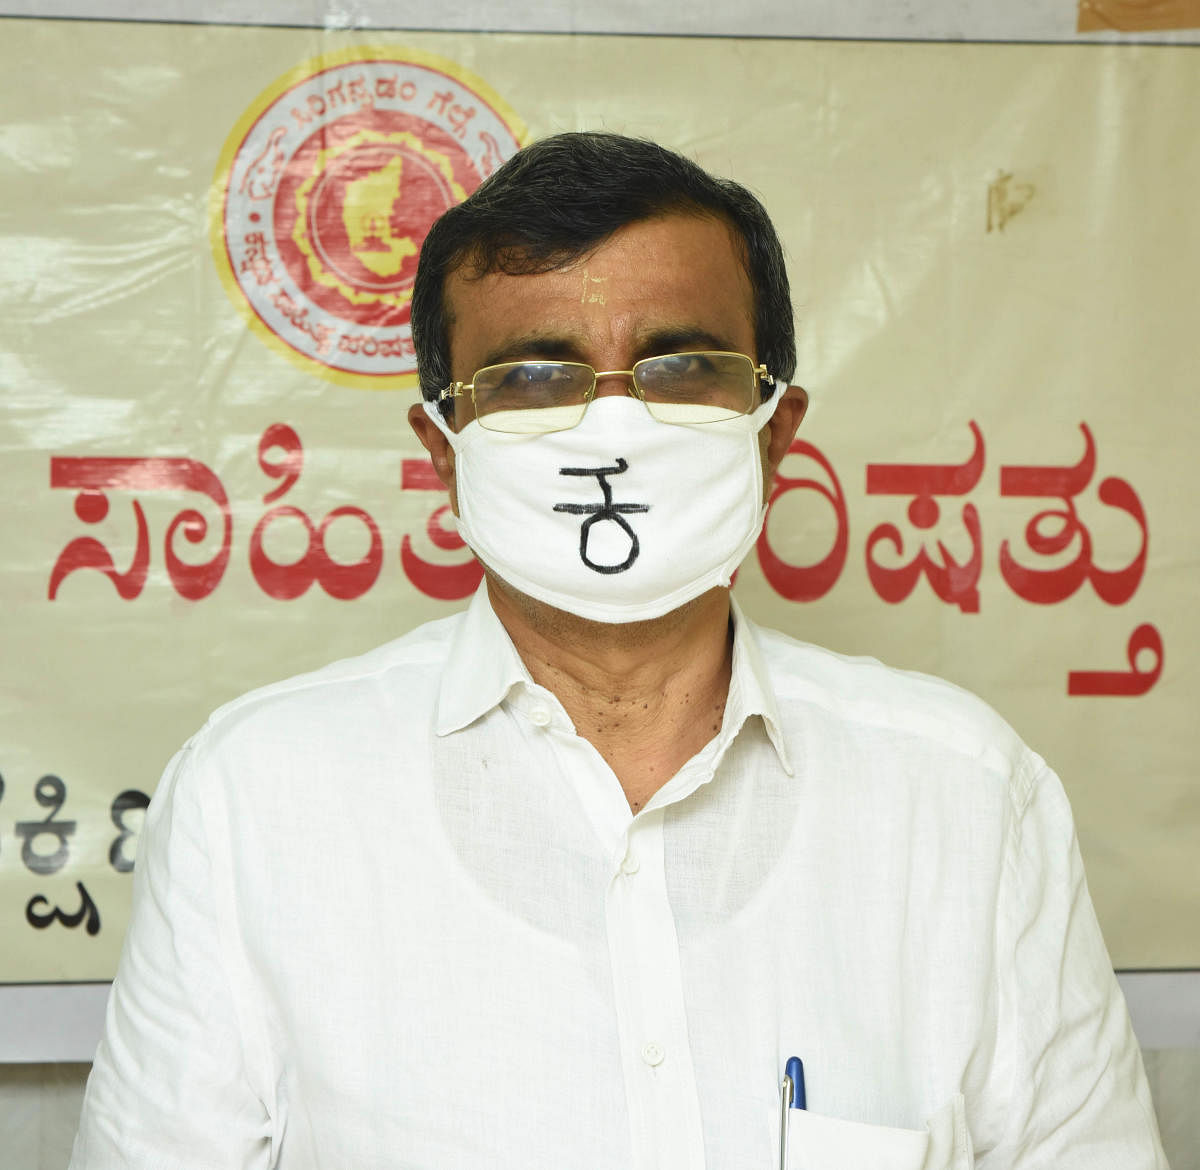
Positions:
(606, 511)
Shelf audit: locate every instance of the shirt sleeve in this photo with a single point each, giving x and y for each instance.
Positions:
(1079, 1099)
(172, 1086)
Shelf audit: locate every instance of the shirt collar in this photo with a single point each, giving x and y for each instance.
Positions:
(484, 666)
(750, 689)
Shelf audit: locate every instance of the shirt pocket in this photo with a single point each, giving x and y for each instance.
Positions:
(825, 1143)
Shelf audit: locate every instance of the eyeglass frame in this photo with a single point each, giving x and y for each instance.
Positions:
(760, 372)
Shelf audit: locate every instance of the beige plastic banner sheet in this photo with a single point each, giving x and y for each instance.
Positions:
(207, 238)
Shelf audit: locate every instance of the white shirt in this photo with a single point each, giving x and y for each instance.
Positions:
(396, 913)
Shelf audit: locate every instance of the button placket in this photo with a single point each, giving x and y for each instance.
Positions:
(660, 1082)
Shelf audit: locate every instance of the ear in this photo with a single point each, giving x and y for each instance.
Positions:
(784, 424)
(438, 446)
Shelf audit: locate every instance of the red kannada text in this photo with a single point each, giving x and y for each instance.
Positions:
(286, 582)
(1050, 532)
(93, 477)
(1053, 530)
(955, 583)
(444, 582)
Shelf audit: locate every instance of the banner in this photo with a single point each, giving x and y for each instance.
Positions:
(207, 240)
(1158, 21)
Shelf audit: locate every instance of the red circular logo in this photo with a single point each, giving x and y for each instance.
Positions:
(327, 190)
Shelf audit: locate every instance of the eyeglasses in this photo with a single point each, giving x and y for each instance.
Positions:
(531, 398)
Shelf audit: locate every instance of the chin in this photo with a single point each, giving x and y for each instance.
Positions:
(558, 624)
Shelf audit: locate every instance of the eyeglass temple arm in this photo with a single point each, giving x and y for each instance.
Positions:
(774, 382)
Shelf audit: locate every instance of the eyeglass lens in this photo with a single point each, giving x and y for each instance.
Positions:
(530, 397)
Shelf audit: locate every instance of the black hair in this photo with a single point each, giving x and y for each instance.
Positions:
(559, 199)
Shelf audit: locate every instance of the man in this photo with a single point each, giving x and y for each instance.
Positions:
(604, 855)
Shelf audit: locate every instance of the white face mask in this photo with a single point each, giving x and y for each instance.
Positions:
(620, 519)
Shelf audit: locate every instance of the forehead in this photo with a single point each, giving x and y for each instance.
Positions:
(677, 276)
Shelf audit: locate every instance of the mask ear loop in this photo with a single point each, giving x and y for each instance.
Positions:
(435, 416)
(765, 411)
(778, 387)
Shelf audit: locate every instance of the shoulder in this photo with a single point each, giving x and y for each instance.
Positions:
(873, 704)
(396, 679)
(261, 776)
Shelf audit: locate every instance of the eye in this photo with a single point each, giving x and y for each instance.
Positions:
(678, 364)
(539, 373)
(680, 373)
(526, 385)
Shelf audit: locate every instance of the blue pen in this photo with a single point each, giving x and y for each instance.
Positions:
(794, 1071)
(791, 1096)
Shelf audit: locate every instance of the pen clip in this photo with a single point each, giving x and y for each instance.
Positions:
(791, 1096)
(786, 1096)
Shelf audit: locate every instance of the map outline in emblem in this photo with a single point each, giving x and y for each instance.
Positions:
(324, 191)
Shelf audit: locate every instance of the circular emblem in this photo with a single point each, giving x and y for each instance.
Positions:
(326, 189)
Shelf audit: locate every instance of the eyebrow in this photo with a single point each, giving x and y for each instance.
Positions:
(547, 345)
(554, 346)
(670, 339)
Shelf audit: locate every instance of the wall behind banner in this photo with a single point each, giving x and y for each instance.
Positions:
(992, 252)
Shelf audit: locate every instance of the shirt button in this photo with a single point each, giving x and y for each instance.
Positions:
(631, 864)
(539, 716)
(653, 1054)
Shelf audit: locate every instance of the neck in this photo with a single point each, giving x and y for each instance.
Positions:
(647, 695)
